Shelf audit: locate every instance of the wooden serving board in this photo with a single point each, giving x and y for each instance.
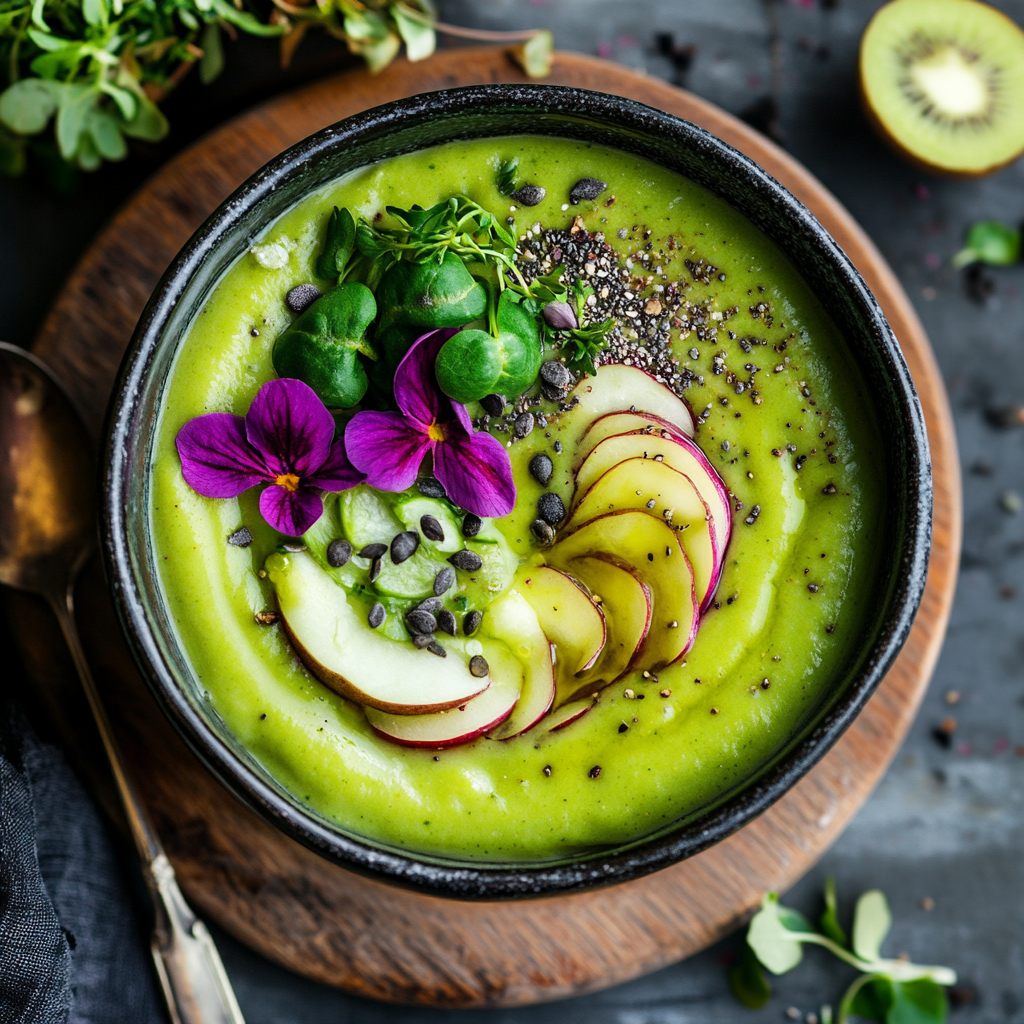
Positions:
(288, 903)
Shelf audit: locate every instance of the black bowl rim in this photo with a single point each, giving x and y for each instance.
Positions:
(464, 880)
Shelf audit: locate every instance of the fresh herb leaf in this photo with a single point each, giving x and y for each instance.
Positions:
(747, 980)
(772, 935)
(64, 58)
(990, 242)
(829, 920)
(871, 923)
(535, 55)
(339, 246)
(508, 177)
(888, 991)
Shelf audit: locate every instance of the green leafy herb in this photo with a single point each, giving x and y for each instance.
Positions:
(457, 225)
(508, 177)
(96, 69)
(990, 242)
(747, 980)
(888, 991)
(829, 920)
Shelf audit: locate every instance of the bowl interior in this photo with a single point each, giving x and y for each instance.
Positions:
(411, 125)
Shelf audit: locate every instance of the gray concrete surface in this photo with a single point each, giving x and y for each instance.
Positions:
(946, 823)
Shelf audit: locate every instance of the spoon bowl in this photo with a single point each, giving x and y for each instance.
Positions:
(47, 525)
(47, 531)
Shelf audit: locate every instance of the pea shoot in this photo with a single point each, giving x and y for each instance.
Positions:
(989, 242)
(888, 991)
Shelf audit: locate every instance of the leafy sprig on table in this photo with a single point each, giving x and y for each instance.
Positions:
(888, 991)
(991, 242)
(96, 70)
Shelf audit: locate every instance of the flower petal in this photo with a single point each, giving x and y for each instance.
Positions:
(477, 474)
(291, 512)
(337, 473)
(216, 459)
(387, 448)
(290, 426)
(416, 390)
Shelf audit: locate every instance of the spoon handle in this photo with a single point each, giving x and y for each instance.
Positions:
(195, 984)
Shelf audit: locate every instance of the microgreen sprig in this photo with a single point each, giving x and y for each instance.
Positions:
(888, 991)
(457, 225)
(97, 69)
(989, 242)
(581, 343)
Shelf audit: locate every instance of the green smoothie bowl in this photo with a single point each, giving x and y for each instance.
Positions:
(513, 490)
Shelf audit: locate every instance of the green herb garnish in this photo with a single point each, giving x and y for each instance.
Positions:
(96, 69)
(888, 991)
(989, 242)
(508, 177)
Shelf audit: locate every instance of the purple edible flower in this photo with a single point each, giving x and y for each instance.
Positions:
(389, 447)
(560, 315)
(285, 439)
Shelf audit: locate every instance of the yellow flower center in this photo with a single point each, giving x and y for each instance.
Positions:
(435, 432)
(289, 481)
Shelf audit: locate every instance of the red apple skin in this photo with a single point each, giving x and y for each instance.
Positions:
(569, 713)
(654, 380)
(503, 694)
(542, 705)
(455, 741)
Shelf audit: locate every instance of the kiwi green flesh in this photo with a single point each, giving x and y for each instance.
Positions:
(944, 80)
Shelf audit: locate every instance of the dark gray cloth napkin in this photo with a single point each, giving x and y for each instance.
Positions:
(72, 950)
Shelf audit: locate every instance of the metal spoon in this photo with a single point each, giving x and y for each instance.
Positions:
(47, 532)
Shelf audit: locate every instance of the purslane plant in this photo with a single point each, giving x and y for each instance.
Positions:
(890, 991)
(96, 70)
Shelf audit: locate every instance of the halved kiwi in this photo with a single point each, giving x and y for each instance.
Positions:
(943, 80)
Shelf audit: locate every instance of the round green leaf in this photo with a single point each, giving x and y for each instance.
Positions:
(27, 106)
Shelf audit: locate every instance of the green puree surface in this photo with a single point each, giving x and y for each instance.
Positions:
(488, 800)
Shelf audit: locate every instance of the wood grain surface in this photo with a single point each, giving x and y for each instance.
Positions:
(288, 903)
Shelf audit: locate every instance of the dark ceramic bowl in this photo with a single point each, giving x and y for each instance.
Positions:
(413, 124)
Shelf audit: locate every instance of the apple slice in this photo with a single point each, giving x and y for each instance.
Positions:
(334, 642)
(618, 388)
(620, 423)
(678, 452)
(570, 620)
(652, 550)
(511, 618)
(657, 488)
(464, 723)
(626, 600)
(568, 713)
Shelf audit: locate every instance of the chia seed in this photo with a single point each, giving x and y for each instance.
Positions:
(404, 546)
(586, 189)
(420, 621)
(493, 405)
(523, 424)
(471, 623)
(421, 640)
(444, 581)
(377, 615)
(301, 297)
(478, 666)
(542, 531)
(529, 195)
(555, 374)
(466, 560)
(431, 487)
(373, 551)
(446, 622)
(375, 568)
(541, 468)
(551, 508)
(431, 529)
(241, 538)
(339, 551)
(471, 525)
